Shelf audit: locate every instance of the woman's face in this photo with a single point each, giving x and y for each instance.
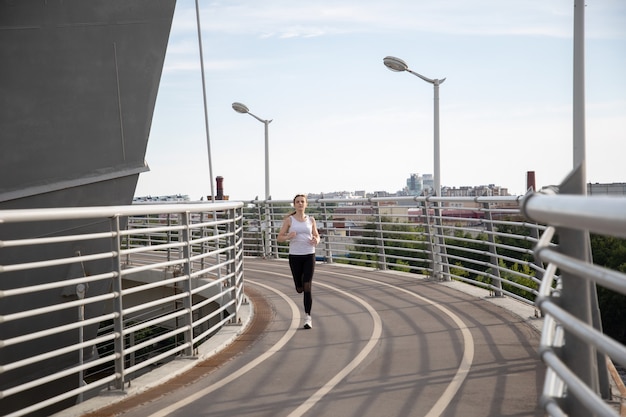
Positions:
(299, 202)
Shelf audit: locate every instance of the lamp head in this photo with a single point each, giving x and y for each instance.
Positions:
(395, 64)
(240, 108)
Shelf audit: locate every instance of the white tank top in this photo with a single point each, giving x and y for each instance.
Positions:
(301, 244)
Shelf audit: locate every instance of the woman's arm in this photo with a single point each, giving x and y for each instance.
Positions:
(314, 232)
(283, 235)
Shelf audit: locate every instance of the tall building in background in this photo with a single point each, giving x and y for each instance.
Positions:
(429, 183)
(414, 185)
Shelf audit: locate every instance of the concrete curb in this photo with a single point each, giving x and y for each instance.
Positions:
(527, 312)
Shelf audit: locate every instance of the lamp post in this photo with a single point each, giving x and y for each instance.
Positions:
(206, 113)
(265, 226)
(398, 65)
(242, 108)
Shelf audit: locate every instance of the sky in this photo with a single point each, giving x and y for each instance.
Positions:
(342, 121)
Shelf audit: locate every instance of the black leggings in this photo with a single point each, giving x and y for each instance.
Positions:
(302, 268)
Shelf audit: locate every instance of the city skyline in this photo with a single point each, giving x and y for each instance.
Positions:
(592, 189)
(341, 119)
(361, 192)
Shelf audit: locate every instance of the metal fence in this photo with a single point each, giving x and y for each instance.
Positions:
(484, 241)
(167, 277)
(94, 297)
(573, 346)
(488, 242)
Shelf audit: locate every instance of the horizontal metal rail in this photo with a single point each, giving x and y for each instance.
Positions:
(567, 336)
(88, 305)
(171, 275)
(484, 241)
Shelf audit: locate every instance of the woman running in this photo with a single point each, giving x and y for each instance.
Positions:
(300, 230)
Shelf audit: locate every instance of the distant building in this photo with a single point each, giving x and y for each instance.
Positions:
(614, 188)
(490, 190)
(162, 198)
(414, 185)
(418, 184)
(382, 194)
(429, 184)
(336, 194)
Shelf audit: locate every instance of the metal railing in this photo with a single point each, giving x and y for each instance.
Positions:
(196, 252)
(91, 298)
(573, 346)
(488, 242)
(483, 241)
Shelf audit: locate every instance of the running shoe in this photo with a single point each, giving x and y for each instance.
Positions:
(307, 323)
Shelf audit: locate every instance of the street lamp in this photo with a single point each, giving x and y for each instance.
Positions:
(398, 65)
(242, 108)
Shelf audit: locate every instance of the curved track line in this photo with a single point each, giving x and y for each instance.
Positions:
(295, 320)
(436, 410)
(374, 338)
(468, 347)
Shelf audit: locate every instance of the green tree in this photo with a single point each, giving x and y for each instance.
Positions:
(517, 279)
(404, 245)
(471, 248)
(515, 230)
(610, 252)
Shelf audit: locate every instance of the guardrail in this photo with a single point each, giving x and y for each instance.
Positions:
(94, 297)
(483, 241)
(573, 346)
(488, 242)
(163, 278)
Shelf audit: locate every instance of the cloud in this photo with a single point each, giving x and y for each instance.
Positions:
(287, 18)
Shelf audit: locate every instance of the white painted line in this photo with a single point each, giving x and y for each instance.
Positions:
(295, 320)
(468, 350)
(374, 338)
(436, 410)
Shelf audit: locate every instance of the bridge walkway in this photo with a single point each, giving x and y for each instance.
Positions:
(382, 344)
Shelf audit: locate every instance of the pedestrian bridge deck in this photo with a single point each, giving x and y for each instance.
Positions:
(382, 344)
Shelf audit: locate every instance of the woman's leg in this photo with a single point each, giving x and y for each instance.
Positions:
(296, 265)
(307, 280)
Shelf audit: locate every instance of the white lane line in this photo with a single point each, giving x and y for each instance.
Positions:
(374, 338)
(437, 408)
(293, 327)
(468, 347)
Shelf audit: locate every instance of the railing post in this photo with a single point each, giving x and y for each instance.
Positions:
(80, 293)
(270, 231)
(579, 297)
(444, 266)
(327, 246)
(232, 265)
(187, 319)
(216, 233)
(265, 230)
(204, 245)
(240, 234)
(118, 308)
(127, 243)
(380, 239)
(429, 231)
(169, 236)
(260, 239)
(493, 259)
(436, 242)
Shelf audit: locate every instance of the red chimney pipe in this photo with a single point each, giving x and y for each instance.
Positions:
(530, 181)
(220, 188)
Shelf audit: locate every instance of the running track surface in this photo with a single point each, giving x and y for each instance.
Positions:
(383, 344)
